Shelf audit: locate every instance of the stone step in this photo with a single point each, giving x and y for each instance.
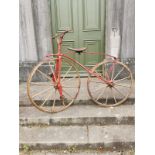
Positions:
(78, 137)
(72, 152)
(78, 115)
(111, 137)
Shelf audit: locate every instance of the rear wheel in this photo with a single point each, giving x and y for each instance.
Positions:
(43, 92)
(117, 90)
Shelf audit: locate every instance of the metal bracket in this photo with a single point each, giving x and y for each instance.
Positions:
(114, 29)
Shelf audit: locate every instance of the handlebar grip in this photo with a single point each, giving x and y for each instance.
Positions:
(61, 34)
(66, 31)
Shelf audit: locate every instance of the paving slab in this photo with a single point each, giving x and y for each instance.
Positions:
(110, 134)
(79, 115)
(54, 134)
(110, 137)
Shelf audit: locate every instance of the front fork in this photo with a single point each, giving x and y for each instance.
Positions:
(56, 77)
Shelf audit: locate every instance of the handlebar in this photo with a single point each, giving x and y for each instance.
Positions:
(61, 34)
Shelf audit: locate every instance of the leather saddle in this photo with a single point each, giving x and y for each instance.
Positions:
(77, 50)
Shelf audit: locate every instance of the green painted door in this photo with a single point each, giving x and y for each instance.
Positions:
(86, 18)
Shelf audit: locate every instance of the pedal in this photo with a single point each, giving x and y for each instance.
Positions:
(64, 100)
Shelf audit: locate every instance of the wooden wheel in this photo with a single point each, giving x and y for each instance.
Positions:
(117, 90)
(43, 92)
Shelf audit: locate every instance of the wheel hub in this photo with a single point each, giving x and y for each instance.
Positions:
(56, 86)
(110, 84)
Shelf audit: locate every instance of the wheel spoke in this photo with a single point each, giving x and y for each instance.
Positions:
(119, 91)
(41, 84)
(106, 74)
(69, 86)
(101, 93)
(113, 71)
(99, 88)
(122, 79)
(49, 94)
(122, 85)
(118, 73)
(69, 79)
(67, 94)
(41, 92)
(98, 81)
(106, 98)
(66, 73)
(51, 68)
(54, 100)
(44, 74)
(113, 96)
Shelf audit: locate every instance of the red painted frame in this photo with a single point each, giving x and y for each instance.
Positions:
(56, 76)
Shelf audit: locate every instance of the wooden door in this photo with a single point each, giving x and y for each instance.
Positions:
(86, 19)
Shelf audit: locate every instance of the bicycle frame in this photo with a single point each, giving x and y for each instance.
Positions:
(56, 76)
(56, 80)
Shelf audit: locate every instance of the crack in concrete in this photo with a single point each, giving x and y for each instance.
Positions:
(87, 133)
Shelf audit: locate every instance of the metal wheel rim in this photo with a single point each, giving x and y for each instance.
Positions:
(120, 102)
(29, 80)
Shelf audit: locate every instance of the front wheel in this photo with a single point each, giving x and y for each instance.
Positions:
(43, 91)
(117, 87)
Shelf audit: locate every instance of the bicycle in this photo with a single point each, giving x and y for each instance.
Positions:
(54, 83)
